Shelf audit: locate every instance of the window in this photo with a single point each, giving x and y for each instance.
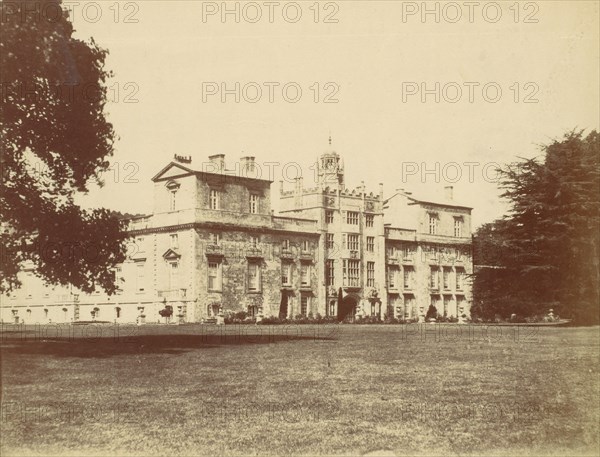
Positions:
(458, 223)
(173, 200)
(460, 274)
(117, 309)
(252, 310)
(330, 272)
(329, 217)
(304, 305)
(140, 277)
(391, 252)
(253, 241)
(305, 275)
(369, 220)
(446, 277)
(253, 277)
(406, 252)
(305, 246)
(408, 275)
(433, 224)
(351, 273)
(214, 199)
(353, 242)
(370, 274)
(174, 241)
(352, 217)
(215, 239)
(173, 275)
(215, 276)
(392, 278)
(371, 243)
(253, 203)
(285, 245)
(139, 241)
(433, 278)
(286, 274)
(330, 241)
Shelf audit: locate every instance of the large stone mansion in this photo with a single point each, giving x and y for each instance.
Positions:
(213, 245)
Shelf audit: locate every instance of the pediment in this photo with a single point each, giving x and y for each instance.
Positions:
(171, 254)
(173, 170)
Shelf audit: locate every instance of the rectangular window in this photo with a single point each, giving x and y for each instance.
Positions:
(286, 274)
(305, 275)
(408, 275)
(371, 243)
(329, 217)
(253, 277)
(433, 278)
(253, 241)
(391, 252)
(458, 223)
(215, 239)
(351, 273)
(140, 277)
(353, 242)
(433, 224)
(330, 272)
(330, 241)
(285, 245)
(214, 199)
(139, 241)
(173, 275)
(253, 203)
(460, 274)
(173, 200)
(304, 305)
(174, 241)
(352, 217)
(406, 252)
(370, 274)
(214, 276)
(305, 246)
(369, 220)
(446, 276)
(391, 278)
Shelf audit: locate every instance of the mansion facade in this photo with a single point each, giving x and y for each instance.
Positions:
(213, 246)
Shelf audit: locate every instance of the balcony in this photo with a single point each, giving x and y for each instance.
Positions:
(392, 260)
(306, 256)
(287, 254)
(253, 252)
(172, 294)
(214, 250)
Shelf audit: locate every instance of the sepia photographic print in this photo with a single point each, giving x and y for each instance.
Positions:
(299, 228)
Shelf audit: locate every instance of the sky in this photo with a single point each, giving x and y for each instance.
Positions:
(414, 95)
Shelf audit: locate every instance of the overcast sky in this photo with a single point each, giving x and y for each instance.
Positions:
(375, 58)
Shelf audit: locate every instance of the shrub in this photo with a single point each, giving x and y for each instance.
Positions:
(431, 313)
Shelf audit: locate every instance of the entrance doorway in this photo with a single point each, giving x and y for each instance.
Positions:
(347, 308)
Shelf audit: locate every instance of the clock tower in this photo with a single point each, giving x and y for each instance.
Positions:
(331, 169)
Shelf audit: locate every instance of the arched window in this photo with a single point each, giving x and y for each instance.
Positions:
(172, 188)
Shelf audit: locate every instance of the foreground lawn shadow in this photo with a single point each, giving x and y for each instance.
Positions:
(141, 344)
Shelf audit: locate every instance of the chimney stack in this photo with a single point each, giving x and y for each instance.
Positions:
(218, 161)
(248, 168)
(449, 193)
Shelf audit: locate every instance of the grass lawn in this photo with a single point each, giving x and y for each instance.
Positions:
(343, 390)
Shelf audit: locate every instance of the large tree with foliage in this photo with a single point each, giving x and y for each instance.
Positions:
(54, 140)
(544, 253)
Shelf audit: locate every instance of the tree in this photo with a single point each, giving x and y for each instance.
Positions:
(54, 140)
(544, 253)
